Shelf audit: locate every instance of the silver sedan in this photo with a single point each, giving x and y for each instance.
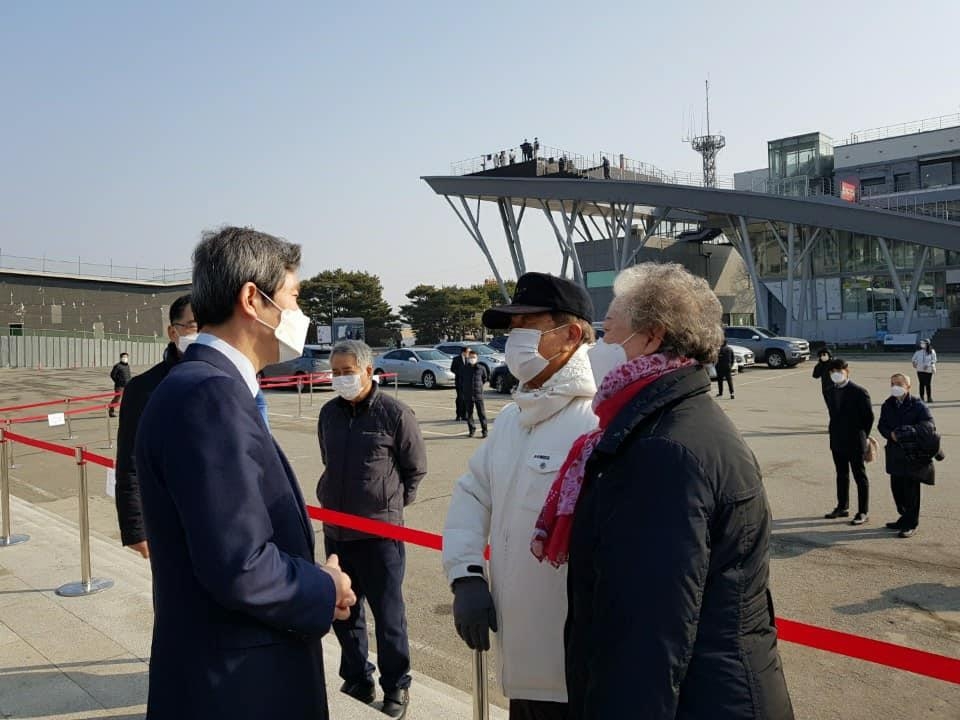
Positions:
(418, 366)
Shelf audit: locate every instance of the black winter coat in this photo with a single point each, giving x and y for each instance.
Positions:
(472, 379)
(135, 397)
(120, 374)
(374, 456)
(670, 615)
(725, 359)
(917, 438)
(820, 371)
(851, 419)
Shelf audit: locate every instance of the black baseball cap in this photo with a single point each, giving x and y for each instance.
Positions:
(540, 292)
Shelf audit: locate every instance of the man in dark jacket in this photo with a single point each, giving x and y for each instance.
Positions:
(474, 376)
(181, 332)
(120, 374)
(912, 444)
(821, 372)
(851, 418)
(724, 367)
(374, 458)
(456, 365)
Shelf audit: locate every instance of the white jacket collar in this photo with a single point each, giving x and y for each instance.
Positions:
(573, 380)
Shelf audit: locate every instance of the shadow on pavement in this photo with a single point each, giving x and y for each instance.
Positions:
(788, 539)
(931, 597)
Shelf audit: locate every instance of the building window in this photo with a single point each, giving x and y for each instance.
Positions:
(936, 174)
(873, 186)
(902, 182)
(601, 279)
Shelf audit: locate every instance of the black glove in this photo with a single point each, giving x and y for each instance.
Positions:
(473, 612)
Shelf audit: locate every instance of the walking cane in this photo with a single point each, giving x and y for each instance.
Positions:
(481, 704)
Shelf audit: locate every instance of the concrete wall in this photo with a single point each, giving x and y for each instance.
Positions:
(73, 352)
(751, 180)
(904, 147)
(71, 305)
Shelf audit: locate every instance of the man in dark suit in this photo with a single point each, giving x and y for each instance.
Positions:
(456, 366)
(181, 332)
(240, 605)
(851, 418)
(120, 375)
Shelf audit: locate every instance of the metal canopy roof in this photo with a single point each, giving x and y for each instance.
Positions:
(714, 207)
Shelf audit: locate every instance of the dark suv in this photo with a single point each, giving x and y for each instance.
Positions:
(767, 346)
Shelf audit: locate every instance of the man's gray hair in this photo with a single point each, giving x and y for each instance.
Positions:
(359, 349)
(670, 298)
(225, 260)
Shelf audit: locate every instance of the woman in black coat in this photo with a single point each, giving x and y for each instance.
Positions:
(912, 444)
(670, 614)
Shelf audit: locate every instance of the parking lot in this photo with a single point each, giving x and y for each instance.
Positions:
(862, 580)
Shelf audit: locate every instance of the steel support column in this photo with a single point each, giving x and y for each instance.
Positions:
(568, 225)
(791, 269)
(652, 227)
(508, 230)
(914, 290)
(746, 252)
(473, 227)
(894, 276)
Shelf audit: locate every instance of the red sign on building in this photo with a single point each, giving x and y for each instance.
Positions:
(848, 191)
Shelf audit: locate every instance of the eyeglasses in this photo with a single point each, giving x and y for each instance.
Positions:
(186, 326)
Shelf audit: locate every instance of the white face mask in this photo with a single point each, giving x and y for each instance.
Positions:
(124, 361)
(897, 391)
(523, 353)
(605, 356)
(185, 341)
(472, 361)
(837, 377)
(348, 386)
(291, 333)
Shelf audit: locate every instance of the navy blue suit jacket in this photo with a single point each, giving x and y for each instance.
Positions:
(239, 604)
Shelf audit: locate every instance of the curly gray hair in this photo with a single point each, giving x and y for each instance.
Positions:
(669, 297)
(359, 349)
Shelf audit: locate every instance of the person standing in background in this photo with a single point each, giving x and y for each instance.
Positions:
(912, 444)
(925, 363)
(851, 418)
(181, 332)
(456, 366)
(120, 374)
(725, 363)
(474, 376)
(821, 372)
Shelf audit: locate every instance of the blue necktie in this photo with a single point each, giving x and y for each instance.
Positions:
(262, 407)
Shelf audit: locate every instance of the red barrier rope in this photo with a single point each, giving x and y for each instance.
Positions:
(887, 654)
(918, 662)
(41, 444)
(43, 418)
(46, 403)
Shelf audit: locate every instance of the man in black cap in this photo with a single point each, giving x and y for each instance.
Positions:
(501, 495)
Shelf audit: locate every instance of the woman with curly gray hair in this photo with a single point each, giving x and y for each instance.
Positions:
(662, 516)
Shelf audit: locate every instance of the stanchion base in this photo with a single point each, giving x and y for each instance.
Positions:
(13, 540)
(76, 589)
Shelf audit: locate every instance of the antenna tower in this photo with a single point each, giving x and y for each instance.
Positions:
(708, 146)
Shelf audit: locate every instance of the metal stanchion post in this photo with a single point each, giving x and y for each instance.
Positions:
(106, 414)
(396, 385)
(13, 463)
(481, 704)
(7, 538)
(311, 389)
(88, 584)
(299, 396)
(70, 435)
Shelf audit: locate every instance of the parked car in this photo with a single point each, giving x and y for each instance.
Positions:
(487, 356)
(742, 357)
(315, 360)
(768, 347)
(502, 380)
(416, 365)
(499, 343)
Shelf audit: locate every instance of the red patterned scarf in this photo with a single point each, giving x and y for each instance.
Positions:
(551, 538)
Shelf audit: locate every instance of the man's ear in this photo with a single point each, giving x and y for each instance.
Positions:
(247, 301)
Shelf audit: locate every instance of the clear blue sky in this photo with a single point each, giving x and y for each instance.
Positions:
(127, 128)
